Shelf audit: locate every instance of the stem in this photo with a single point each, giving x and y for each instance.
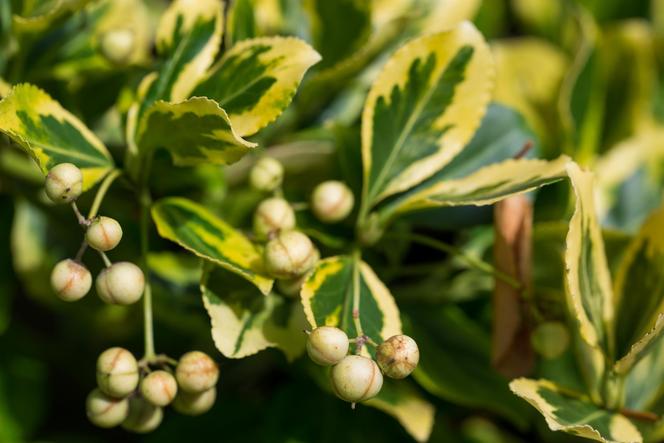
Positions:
(146, 202)
(81, 251)
(79, 217)
(104, 257)
(101, 192)
(356, 300)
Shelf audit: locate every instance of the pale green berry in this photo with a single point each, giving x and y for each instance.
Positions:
(195, 404)
(332, 201)
(117, 372)
(143, 416)
(121, 283)
(103, 234)
(159, 388)
(117, 45)
(290, 254)
(356, 378)
(327, 345)
(105, 411)
(272, 216)
(64, 183)
(398, 356)
(266, 175)
(550, 339)
(196, 372)
(70, 280)
(291, 287)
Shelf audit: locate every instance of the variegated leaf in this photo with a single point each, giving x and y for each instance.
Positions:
(329, 292)
(577, 416)
(240, 22)
(256, 80)
(52, 135)
(445, 14)
(425, 105)
(201, 232)
(642, 348)
(35, 16)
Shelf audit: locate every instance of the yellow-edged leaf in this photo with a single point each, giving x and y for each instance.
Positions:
(642, 347)
(36, 16)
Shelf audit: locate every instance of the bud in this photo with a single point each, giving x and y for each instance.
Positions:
(332, 201)
(195, 404)
(327, 346)
(117, 372)
(273, 215)
(64, 183)
(121, 283)
(159, 388)
(117, 45)
(103, 234)
(356, 378)
(105, 411)
(70, 280)
(266, 175)
(398, 356)
(291, 287)
(143, 417)
(550, 339)
(291, 254)
(196, 372)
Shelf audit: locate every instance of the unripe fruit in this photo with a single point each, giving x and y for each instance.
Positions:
(266, 175)
(121, 283)
(398, 356)
(159, 388)
(143, 417)
(103, 234)
(327, 345)
(70, 280)
(196, 372)
(273, 215)
(291, 287)
(356, 378)
(195, 404)
(105, 411)
(64, 183)
(290, 254)
(332, 201)
(550, 339)
(117, 372)
(117, 45)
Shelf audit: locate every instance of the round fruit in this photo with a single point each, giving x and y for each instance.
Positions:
(290, 254)
(121, 283)
(117, 45)
(117, 372)
(356, 378)
(103, 234)
(105, 411)
(70, 280)
(332, 201)
(143, 417)
(266, 175)
(195, 404)
(327, 345)
(64, 183)
(271, 216)
(196, 372)
(550, 339)
(291, 287)
(159, 388)
(398, 356)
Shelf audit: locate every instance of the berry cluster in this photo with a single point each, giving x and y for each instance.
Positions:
(130, 394)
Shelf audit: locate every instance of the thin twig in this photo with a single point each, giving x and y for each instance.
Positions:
(81, 251)
(101, 192)
(105, 258)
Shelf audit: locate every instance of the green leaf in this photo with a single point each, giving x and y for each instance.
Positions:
(193, 131)
(36, 16)
(244, 321)
(642, 347)
(423, 108)
(201, 232)
(256, 80)
(240, 22)
(52, 135)
(577, 416)
(328, 298)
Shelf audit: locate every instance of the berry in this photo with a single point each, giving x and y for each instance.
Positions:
(327, 345)
(117, 372)
(64, 183)
(103, 234)
(117, 45)
(550, 339)
(70, 280)
(398, 356)
(290, 254)
(273, 215)
(266, 175)
(159, 388)
(332, 201)
(195, 404)
(121, 283)
(143, 417)
(291, 287)
(196, 372)
(356, 378)
(105, 411)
